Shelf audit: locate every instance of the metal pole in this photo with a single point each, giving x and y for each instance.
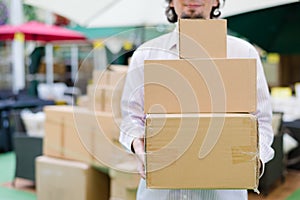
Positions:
(49, 54)
(49, 64)
(74, 62)
(18, 66)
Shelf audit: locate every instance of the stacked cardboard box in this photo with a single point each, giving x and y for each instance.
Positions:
(79, 134)
(105, 92)
(65, 179)
(88, 135)
(198, 132)
(200, 85)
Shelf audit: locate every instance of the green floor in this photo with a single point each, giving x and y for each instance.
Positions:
(294, 196)
(7, 168)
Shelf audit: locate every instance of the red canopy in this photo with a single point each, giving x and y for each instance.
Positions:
(38, 31)
(7, 32)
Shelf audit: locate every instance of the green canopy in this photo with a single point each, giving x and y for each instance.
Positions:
(275, 29)
(143, 33)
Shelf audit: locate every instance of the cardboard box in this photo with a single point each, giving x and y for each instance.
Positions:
(78, 132)
(124, 182)
(96, 98)
(108, 124)
(110, 152)
(62, 138)
(90, 137)
(65, 180)
(83, 101)
(112, 101)
(77, 136)
(113, 76)
(120, 191)
(200, 86)
(53, 140)
(106, 91)
(202, 38)
(202, 151)
(105, 98)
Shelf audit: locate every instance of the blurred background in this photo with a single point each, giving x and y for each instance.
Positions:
(50, 52)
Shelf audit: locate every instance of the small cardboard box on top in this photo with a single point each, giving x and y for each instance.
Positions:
(201, 151)
(202, 38)
(200, 85)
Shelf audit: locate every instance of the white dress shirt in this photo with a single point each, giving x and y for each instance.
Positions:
(165, 47)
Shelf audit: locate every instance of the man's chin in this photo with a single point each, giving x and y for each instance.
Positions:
(191, 16)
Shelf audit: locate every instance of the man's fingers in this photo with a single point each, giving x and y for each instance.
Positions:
(138, 145)
(141, 170)
(141, 157)
(141, 164)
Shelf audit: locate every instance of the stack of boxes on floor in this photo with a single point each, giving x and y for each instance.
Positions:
(199, 130)
(82, 158)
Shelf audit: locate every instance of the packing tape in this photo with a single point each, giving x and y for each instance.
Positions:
(241, 154)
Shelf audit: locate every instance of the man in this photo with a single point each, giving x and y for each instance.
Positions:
(166, 47)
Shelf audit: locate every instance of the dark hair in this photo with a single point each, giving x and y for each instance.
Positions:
(172, 16)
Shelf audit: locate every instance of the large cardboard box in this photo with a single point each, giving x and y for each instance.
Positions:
(200, 86)
(202, 38)
(65, 180)
(62, 138)
(204, 151)
(78, 133)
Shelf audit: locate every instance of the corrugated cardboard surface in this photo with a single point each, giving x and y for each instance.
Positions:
(200, 86)
(109, 152)
(201, 151)
(105, 99)
(76, 139)
(65, 180)
(78, 133)
(53, 141)
(105, 93)
(114, 76)
(202, 38)
(61, 136)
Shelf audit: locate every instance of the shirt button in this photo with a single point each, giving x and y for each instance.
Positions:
(184, 196)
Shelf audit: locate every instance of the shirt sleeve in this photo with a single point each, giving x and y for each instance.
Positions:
(132, 103)
(263, 113)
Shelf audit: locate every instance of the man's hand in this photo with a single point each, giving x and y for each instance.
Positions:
(138, 147)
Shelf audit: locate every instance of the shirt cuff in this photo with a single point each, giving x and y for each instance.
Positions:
(126, 141)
